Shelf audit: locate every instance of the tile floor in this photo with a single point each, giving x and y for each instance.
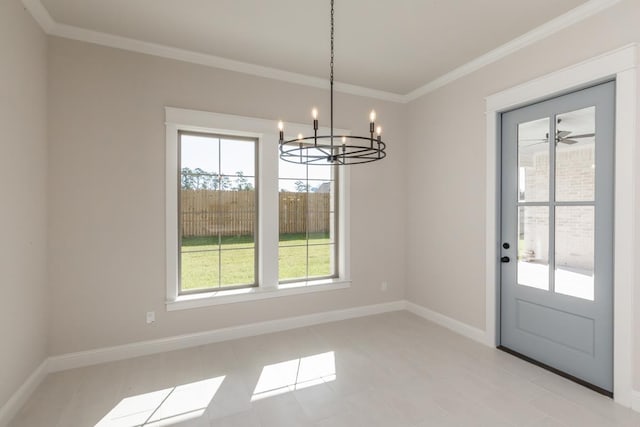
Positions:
(394, 369)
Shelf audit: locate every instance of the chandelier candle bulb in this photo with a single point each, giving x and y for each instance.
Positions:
(314, 114)
(372, 126)
(372, 122)
(281, 129)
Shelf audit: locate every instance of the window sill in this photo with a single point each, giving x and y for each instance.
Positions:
(231, 296)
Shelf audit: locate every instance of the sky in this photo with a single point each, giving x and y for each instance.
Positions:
(204, 152)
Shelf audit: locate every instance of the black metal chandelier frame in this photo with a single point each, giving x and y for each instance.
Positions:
(324, 149)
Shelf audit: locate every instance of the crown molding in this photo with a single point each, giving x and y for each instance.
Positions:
(125, 43)
(571, 17)
(40, 14)
(51, 27)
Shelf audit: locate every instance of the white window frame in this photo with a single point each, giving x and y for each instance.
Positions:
(266, 133)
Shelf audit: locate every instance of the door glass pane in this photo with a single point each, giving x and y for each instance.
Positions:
(575, 155)
(533, 161)
(533, 246)
(575, 251)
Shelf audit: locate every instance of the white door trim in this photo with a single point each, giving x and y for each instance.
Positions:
(622, 65)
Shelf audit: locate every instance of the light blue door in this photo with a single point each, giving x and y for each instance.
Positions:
(557, 233)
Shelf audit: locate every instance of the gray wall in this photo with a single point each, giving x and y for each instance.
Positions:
(106, 186)
(446, 169)
(23, 215)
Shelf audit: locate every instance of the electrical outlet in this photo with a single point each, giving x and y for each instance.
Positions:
(384, 286)
(151, 316)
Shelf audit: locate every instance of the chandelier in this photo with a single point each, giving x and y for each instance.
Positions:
(333, 149)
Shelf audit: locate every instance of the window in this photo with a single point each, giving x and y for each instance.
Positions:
(217, 215)
(308, 227)
(241, 224)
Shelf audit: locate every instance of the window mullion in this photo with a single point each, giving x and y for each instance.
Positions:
(307, 225)
(268, 207)
(219, 213)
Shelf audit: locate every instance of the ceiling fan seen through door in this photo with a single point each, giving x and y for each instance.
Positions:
(562, 136)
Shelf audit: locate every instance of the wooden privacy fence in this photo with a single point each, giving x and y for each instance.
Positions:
(232, 213)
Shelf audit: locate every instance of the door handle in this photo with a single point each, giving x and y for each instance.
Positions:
(505, 259)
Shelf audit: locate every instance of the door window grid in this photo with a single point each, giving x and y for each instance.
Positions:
(532, 266)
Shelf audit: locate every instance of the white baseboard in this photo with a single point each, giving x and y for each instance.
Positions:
(449, 323)
(20, 397)
(635, 400)
(110, 354)
(121, 352)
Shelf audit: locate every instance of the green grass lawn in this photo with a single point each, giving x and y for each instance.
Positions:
(202, 258)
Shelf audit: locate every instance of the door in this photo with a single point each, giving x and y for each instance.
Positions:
(557, 234)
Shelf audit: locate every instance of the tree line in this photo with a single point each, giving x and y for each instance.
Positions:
(198, 179)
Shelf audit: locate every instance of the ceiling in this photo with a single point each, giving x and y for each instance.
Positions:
(392, 46)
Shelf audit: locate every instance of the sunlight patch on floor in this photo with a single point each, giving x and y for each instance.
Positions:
(295, 374)
(171, 405)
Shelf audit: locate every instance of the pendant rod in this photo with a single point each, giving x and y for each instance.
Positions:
(331, 74)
